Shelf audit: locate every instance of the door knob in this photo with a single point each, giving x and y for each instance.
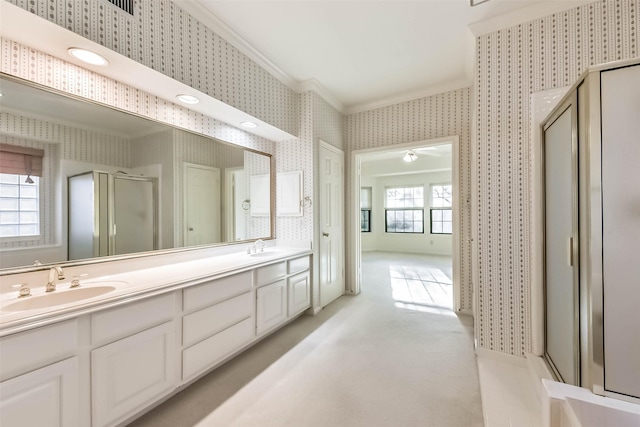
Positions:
(325, 234)
(190, 228)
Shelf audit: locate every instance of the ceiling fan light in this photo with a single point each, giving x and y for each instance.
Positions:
(410, 157)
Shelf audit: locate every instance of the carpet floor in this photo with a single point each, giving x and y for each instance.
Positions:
(382, 358)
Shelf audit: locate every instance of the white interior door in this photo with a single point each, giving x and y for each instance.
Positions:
(202, 204)
(331, 207)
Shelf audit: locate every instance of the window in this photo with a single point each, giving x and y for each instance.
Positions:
(441, 213)
(365, 209)
(19, 205)
(404, 210)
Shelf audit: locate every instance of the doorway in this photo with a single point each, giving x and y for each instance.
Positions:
(201, 204)
(433, 224)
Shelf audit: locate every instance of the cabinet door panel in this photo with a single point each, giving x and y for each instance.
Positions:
(209, 352)
(47, 397)
(299, 293)
(211, 320)
(271, 307)
(131, 373)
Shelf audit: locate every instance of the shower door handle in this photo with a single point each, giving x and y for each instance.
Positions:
(570, 252)
(325, 234)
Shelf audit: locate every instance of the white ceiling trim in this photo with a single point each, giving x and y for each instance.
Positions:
(520, 16)
(316, 86)
(411, 96)
(211, 21)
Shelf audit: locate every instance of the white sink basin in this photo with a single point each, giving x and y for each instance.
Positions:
(58, 297)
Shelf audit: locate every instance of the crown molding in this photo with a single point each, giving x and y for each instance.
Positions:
(203, 15)
(526, 14)
(462, 83)
(317, 87)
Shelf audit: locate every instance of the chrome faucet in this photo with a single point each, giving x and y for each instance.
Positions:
(260, 244)
(51, 285)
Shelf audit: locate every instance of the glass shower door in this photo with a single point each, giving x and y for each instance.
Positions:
(561, 254)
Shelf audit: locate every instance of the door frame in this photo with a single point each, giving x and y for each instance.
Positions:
(355, 262)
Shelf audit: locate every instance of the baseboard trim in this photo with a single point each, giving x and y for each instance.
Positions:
(485, 353)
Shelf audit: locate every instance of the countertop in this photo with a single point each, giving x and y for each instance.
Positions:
(133, 285)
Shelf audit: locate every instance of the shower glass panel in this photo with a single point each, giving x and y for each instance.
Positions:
(561, 273)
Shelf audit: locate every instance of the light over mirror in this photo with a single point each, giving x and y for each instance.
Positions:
(80, 180)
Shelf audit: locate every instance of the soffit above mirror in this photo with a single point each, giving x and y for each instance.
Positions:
(54, 40)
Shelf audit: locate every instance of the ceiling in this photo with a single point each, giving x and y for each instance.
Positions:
(362, 54)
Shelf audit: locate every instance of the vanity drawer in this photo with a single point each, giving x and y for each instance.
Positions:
(215, 291)
(270, 273)
(211, 320)
(209, 352)
(111, 325)
(299, 264)
(30, 350)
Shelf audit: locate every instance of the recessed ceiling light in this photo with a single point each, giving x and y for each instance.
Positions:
(249, 124)
(188, 99)
(88, 56)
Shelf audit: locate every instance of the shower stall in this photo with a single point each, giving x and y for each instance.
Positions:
(111, 214)
(591, 174)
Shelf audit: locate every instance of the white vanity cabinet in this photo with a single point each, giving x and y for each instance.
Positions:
(40, 386)
(217, 321)
(298, 285)
(111, 362)
(283, 290)
(138, 365)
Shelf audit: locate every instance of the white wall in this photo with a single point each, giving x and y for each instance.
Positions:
(425, 243)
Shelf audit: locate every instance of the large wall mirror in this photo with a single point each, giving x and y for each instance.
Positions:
(80, 181)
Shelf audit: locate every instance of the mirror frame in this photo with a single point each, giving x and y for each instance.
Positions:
(110, 258)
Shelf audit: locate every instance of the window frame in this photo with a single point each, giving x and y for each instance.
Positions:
(442, 209)
(37, 211)
(404, 210)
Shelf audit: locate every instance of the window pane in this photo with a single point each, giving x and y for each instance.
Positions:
(28, 191)
(436, 215)
(9, 191)
(441, 196)
(446, 214)
(29, 230)
(436, 227)
(447, 227)
(404, 221)
(27, 204)
(9, 217)
(9, 204)
(6, 178)
(28, 217)
(8, 230)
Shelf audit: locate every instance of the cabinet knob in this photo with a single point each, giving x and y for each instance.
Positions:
(324, 234)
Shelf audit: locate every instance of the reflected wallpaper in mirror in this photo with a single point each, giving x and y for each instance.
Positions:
(198, 188)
